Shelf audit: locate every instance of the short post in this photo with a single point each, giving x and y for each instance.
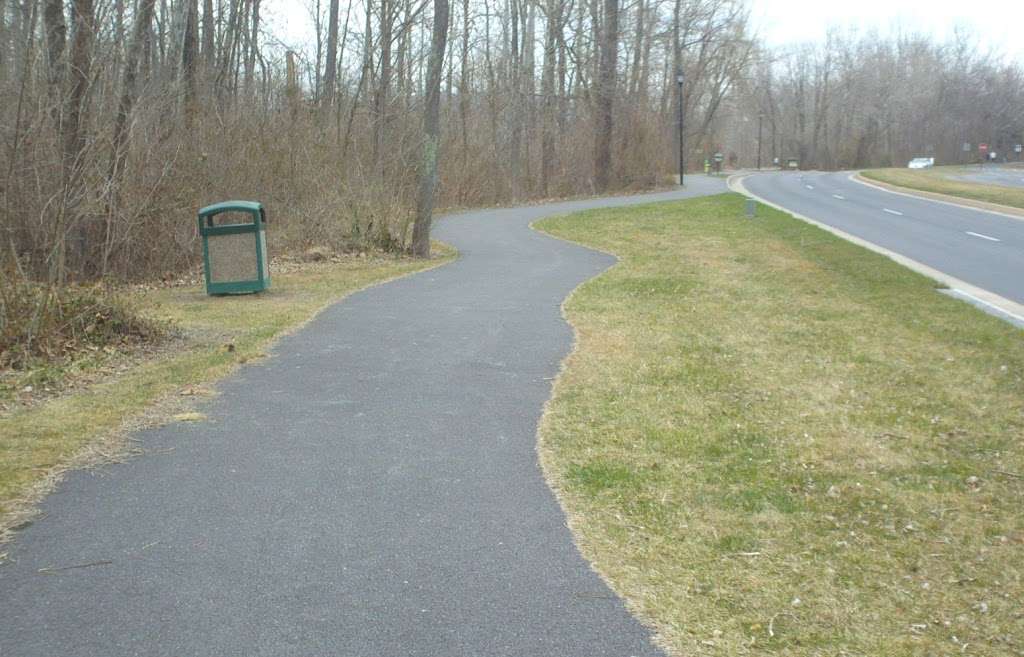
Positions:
(751, 208)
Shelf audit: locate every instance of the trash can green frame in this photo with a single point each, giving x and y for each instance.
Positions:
(233, 262)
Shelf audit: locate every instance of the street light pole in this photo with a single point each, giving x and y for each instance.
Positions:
(682, 137)
(760, 122)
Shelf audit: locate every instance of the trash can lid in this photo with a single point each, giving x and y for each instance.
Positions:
(231, 206)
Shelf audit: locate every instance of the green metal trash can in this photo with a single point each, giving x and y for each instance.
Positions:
(235, 254)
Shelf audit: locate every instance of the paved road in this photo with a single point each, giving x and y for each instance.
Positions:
(372, 490)
(995, 174)
(981, 248)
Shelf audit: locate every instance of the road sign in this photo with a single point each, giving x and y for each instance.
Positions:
(967, 147)
(719, 157)
(982, 147)
(1018, 148)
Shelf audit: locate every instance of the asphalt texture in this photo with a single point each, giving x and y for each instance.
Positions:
(981, 248)
(371, 489)
(995, 174)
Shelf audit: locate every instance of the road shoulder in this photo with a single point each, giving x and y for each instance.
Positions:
(986, 299)
(959, 201)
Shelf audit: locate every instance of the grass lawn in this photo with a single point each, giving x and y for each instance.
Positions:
(220, 333)
(771, 441)
(938, 180)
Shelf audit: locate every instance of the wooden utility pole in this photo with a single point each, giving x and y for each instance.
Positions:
(431, 130)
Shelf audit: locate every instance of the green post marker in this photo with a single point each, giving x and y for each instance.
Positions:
(235, 255)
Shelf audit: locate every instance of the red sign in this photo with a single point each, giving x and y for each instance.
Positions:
(982, 147)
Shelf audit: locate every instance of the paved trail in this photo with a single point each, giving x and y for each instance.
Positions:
(371, 490)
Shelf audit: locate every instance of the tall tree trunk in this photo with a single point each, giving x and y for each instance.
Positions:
(606, 84)
(515, 82)
(464, 90)
(73, 139)
(56, 44)
(431, 130)
(331, 72)
(209, 47)
(384, 87)
(119, 156)
(189, 55)
(254, 46)
(547, 83)
(124, 109)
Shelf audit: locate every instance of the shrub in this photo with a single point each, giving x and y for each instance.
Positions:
(45, 323)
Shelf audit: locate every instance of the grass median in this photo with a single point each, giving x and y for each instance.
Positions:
(216, 335)
(940, 180)
(771, 441)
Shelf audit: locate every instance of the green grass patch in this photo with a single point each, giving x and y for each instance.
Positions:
(220, 333)
(772, 441)
(942, 180)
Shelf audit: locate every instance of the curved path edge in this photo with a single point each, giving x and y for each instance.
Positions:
(371, 489)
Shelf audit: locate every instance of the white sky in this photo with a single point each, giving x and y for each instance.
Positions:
(999, 24)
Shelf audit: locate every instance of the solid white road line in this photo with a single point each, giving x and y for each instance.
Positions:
(985, 237)
(841, 198)
(895, 212)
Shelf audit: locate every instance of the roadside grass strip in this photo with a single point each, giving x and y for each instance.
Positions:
(937, 181)
(220, 333)
(772, 441)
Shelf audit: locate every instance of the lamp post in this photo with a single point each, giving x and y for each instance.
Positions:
(682, 139)
(760, 122)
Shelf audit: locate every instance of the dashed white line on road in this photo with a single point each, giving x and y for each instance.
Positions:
(841, 198)
(985, 237)
(809, 186)
(895, 212)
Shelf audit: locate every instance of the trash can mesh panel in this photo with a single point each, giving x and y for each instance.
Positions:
(231, 258)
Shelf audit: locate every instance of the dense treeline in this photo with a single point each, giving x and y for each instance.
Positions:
(121, 118)
(862, 101)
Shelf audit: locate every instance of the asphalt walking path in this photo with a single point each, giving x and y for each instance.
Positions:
(370, 490)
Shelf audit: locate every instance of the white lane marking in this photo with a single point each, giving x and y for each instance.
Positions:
(984, 237)
(895, 212)
(990, 305)
(809, 186)
(841, 198)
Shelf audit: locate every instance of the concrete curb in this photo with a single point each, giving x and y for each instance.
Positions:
(971, 293)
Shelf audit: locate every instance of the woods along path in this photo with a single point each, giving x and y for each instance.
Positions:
(370, 490)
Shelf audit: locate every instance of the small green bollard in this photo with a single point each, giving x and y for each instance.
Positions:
(235, 255)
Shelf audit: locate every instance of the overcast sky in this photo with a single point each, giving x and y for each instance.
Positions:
(998, 23)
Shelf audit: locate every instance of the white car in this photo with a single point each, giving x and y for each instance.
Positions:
(921, 163)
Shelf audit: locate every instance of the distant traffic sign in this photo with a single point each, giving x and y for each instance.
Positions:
(982, 147)
(1018, 148)
(967, 147)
